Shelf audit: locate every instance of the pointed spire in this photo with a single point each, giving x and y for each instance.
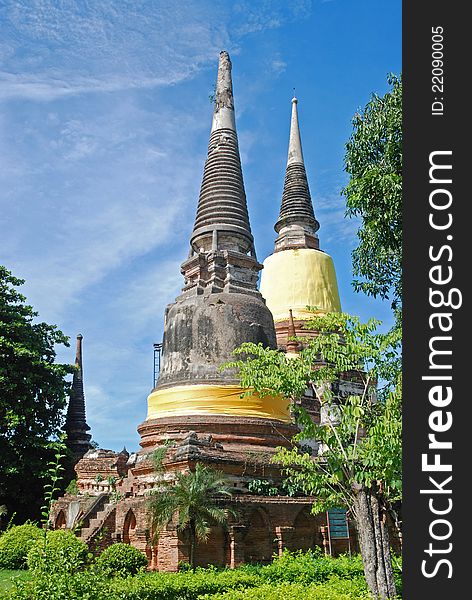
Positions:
(296, 225)
(78, 440)
(222, 204)
(222, 255)
(77, 403)
(78, 353)
(223, 115)
(295, 154)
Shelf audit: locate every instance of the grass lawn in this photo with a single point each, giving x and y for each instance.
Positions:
(7, 577)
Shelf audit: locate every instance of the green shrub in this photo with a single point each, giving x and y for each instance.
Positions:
(72, 488)
(121, 559)
(91, 585)
(308, 576)
(15, 544)
(180, 586)
(84, 585)
(307, 567)
(397, 573)
(297, 567)
(61, 552)
(333, 589)
(88, 585)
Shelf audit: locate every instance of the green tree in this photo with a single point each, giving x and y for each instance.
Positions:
(374, 193)
(33, 393)
(359, 462)
(192, 498)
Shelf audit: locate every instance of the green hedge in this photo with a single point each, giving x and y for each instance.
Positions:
(181, 586)
(333, 589)
(146, 586)
(308, 567)
(89, 585)
(293, 576)
(15, 544)
(84, 585)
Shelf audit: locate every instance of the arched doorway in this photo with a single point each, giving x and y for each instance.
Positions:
(215, 551)
(258, 546)
(129, 528)
(306, 531)
(61, 520)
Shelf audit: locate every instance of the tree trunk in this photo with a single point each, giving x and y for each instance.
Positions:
(398, 529)
(371, 520)
(193, 537)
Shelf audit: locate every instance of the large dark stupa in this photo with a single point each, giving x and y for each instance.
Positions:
(220, 308)
(197, 412)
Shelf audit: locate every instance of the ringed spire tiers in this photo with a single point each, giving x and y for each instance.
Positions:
(198, 412)
(219, 308)
(298, 274)
(222, 257)
(78, 440)
(296, 225)
(222, 220)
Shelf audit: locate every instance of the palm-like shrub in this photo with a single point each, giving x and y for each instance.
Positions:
(192, 499)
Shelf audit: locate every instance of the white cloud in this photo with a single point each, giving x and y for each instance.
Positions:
(117, 350)
(56, 50)
(104, 46)
(268, 14)
(44, 88)
(335, 228)
(145, 297)
(278, 66)
(105, 193)
(102, 157)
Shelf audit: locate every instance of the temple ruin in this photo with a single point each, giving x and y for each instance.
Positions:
(196, 412)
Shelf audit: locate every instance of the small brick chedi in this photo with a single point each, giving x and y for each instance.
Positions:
(196, 412)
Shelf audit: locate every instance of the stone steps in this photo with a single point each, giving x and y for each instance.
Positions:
(96, 523)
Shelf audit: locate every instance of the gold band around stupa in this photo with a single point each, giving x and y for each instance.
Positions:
(295, 279)
(185, 400)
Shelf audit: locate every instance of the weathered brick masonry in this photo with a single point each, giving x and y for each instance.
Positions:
(196, 412)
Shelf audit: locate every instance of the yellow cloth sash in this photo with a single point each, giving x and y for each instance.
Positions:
(184, 400)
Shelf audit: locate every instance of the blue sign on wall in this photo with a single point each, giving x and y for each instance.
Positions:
(337, 523)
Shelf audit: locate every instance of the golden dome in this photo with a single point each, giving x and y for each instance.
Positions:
(297, 278)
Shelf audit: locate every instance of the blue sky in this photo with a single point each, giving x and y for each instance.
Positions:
(104, 124)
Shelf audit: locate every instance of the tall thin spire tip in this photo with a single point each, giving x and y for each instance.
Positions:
(296, 224)
(223, 115)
